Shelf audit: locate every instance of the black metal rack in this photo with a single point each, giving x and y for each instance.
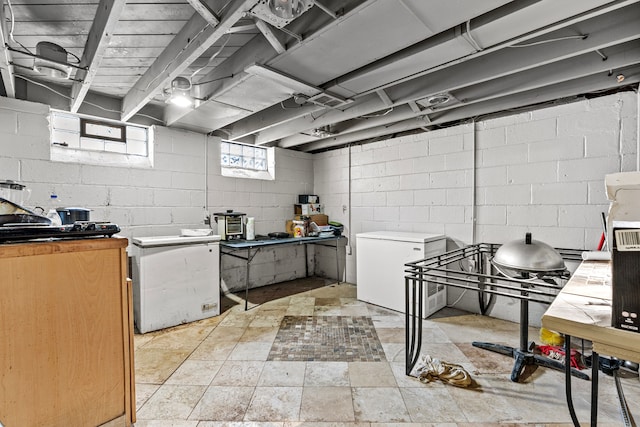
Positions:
(476, 272)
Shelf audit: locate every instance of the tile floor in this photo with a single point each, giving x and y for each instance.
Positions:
(216, 372)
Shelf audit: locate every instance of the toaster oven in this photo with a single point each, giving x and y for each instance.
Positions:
(230, 225)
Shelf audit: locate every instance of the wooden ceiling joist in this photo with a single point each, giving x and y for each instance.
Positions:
(6, 69)
(106, 18)
(188, 45)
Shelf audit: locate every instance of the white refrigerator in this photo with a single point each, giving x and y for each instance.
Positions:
(380, 260)
(176, 280)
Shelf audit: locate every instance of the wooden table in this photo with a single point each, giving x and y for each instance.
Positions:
(583, 310)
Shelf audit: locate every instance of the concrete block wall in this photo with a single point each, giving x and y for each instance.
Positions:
(183, 186)
(490, 181)
(142, 201)
(271, 203)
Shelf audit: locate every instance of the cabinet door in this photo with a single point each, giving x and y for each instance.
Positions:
(62, 356)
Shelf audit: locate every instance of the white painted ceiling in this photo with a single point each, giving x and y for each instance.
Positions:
(344, 72)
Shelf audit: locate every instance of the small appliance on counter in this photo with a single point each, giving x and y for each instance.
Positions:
(18, 224)
(230, 225)
(625, 276)
(623, 239)
(71, 215)
(14, 192)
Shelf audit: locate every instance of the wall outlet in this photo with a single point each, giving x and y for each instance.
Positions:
(209, 307)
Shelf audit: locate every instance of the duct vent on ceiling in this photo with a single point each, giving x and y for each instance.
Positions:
(438, 100)
(328, 100)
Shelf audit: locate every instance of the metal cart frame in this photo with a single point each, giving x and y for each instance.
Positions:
(478, 274)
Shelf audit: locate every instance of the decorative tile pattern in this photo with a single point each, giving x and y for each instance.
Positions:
(327, 339)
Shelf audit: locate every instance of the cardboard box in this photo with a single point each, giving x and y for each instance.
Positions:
(319, 219)
(625, 276)
(307, 209)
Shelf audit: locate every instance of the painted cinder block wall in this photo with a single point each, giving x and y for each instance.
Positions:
(184, 185)
(491, 181)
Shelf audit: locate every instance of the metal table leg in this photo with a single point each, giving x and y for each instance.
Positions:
(595, 367)
(337, 262)
(246, 279)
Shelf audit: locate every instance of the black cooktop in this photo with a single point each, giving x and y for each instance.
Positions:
(19, 232)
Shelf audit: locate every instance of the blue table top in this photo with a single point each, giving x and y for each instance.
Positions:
(267, 241)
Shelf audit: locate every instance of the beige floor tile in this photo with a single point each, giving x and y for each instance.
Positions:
(379, 404)
(431, 403)
(250, 351)
(166, 423)
(300, 310)
(155, 365)
(275, 404)
(403, 380)
(195, 372)
(227, 333)
(393, 352)
(171, 402)
(388, 335)
(343, 290)
(485, 404)
(144, 392)
(387, 321)
(238, 373)
(340, 310)
(446, 352)
(300, 394)
(222, 404)
(259, 334)
(327, 424)
(300, 300)
(186, 336)
(282, 374)
(327, 374)
(237, 320)
(327, 404)
(239, 424)
(328, 302)
(371, 374)
(268, 320)
(213, 349)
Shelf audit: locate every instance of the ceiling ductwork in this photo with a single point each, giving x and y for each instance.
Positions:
(313, 75)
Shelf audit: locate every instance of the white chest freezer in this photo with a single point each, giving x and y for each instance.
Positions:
(176, 280)
(380, 260)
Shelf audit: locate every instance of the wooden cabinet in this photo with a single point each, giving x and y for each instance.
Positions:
(66, 334)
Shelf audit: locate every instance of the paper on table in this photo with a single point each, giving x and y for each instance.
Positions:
(596, 256)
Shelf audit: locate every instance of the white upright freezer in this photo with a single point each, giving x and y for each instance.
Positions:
(176, 280)
(380, 260)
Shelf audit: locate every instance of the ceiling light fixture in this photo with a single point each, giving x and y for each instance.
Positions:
(51, 60)
(323, 132)
(180, 92)
(279, 13)
(286, 9)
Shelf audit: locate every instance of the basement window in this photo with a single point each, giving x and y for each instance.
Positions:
(246, 161)
(77, 138)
